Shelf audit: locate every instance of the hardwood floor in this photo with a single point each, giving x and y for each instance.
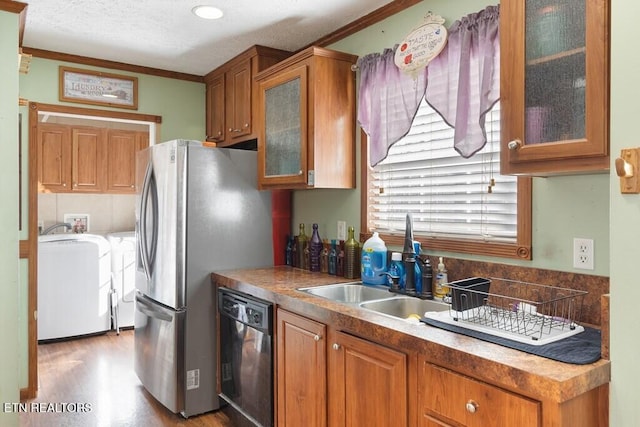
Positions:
(96, 374)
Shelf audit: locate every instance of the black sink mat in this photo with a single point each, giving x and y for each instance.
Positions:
(579, 349)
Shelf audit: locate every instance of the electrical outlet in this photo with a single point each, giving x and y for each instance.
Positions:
(342, 230)
(583, 253)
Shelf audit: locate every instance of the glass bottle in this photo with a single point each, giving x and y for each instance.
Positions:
(340, 260)
(324, 257)
(288, 250)
(351, 256)
(295, 258)
(315, 249)
(302, 245)
(306, 258)
(333, 258)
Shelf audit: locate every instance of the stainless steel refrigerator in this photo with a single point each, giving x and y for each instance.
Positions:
(198, 210)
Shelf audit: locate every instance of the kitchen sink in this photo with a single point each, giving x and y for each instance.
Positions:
(354, 292)
(404, 307)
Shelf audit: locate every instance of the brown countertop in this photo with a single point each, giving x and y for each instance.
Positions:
(526, 374)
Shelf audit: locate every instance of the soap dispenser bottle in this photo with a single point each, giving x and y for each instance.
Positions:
(440, 290)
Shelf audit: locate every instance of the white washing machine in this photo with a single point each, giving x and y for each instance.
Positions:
(123, 270)
(74, 280)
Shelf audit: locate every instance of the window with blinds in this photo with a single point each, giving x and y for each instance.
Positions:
(448, 196)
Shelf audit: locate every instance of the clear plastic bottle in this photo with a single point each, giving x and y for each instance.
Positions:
(373, 262)
(417, 268)
(440, 290)
(396, 270)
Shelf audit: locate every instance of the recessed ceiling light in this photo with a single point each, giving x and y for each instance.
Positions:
(207, 12)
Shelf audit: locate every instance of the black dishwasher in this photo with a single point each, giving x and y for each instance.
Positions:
(246, 355)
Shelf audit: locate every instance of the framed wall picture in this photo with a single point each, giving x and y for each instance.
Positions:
(98, 88)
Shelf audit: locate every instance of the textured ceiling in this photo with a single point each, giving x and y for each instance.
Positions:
(164, 34)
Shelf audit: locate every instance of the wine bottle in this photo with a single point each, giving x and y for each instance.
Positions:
(315, 249)
(351, 256)
(302, 245)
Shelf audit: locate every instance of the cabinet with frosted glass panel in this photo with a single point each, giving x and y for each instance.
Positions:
(554, 86)
(307, 121)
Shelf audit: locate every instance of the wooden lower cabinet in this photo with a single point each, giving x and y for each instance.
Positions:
(336, 380)
(326, 377)
(301, 374)
(450, 399)
(368, 384)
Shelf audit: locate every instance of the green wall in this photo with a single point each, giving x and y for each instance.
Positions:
(563, 207)
(625, 217)
(180, 103)
(9, 382)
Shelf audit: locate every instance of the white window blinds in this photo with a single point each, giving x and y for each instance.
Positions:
(447, 195)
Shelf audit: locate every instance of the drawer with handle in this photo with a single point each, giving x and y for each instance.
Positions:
(448, 398)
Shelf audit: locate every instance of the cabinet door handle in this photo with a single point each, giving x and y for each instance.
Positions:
(471, 406)
(515, 144)
(317, 337)
(336, 346)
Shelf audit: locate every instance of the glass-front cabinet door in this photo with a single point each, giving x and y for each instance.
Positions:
(554, 86)
(283, 157)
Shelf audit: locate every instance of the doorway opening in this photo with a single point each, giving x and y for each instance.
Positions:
(40, 116)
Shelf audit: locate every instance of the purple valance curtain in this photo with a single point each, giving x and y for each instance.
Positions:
(464, 83)
(465, 78)
(388, 101)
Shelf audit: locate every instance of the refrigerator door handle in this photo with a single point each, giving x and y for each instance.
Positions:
(155, 312)
(149, 190)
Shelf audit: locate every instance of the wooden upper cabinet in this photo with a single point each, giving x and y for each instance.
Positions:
(121, 160)
(231, 94)
(87, 159)
(215, 109)
(238, 90)
(307, 121)
(54, 158)
(88, 154)
(554, 86)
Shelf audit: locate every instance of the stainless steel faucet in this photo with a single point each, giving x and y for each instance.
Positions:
(54, 226)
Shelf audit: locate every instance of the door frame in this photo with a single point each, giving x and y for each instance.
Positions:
(29, 247)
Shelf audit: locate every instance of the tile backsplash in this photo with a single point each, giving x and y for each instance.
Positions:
(108, 213)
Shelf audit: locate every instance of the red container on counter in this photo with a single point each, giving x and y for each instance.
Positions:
(281, 220)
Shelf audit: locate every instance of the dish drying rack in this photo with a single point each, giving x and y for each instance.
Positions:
(530, 313)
